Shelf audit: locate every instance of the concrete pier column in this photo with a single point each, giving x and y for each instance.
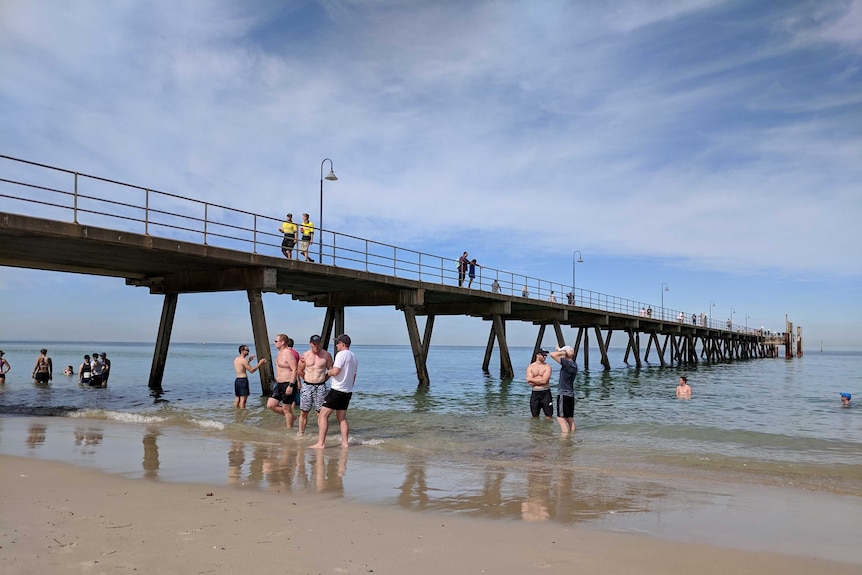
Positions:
(261, 339)
(163, 341)
(416, 345)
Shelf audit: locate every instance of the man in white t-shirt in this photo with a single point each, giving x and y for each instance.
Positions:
(343, 374)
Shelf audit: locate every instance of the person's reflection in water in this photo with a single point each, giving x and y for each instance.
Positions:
(535, 506)
(328, 476)
(35, 435)
(255, 468)
(151, 453)
(415, 486)
(87, 438)
(235, 459)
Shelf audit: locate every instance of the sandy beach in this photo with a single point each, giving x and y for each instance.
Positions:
(58, 518)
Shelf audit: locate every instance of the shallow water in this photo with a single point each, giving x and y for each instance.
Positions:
(467, 444)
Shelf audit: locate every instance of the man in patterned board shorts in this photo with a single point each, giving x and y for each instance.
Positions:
(343, 375)
(313, 365)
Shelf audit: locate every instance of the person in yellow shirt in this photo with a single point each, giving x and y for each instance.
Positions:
(306, 233)
(288, 228)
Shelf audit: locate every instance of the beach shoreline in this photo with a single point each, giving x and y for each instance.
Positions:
(664, 510)
(58, 517)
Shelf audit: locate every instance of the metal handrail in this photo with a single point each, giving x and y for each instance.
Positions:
(168, 215)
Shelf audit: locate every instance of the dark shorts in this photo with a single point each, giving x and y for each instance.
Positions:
(97, 379)
(240, 387)
(565, 406)
(337, 400)
(279, 392)
(288, 243)
(541, 401)
(41, 376)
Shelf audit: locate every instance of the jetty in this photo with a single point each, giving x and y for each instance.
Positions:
(61, 220)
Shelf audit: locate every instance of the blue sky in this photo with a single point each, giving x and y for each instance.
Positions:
(711, 145)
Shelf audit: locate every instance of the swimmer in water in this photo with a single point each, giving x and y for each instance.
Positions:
(845, 399)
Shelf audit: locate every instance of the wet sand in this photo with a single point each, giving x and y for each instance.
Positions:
(60, 518)
(73, 485)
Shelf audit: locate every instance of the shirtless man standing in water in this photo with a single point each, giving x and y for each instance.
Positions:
(242, 368)
(285, 390)
(312, 368)
(539, 378)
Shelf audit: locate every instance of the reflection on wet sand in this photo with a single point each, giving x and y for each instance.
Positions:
(87, 438)
(551, 486)
(151, 453)
(288, 468)
(35, 435)
(534, 492)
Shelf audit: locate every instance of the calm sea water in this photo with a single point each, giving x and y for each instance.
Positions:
(467, 443)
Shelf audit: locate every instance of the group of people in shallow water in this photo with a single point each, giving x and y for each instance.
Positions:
(93, 372)
(301, 380)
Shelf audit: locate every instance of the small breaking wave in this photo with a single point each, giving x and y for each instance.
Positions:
(121, 416)
(209, 424)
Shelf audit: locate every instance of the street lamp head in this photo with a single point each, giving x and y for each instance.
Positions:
(331, 177)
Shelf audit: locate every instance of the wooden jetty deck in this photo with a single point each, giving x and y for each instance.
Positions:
(170, 244)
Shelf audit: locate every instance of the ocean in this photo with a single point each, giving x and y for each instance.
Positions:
(755, 435)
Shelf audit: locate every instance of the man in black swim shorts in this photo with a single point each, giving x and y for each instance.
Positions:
(242, 368)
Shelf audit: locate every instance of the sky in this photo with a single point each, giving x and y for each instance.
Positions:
(713, 146)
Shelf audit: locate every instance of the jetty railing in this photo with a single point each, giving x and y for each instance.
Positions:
(35, 189)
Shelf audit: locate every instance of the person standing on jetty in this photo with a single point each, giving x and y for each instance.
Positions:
(313, 367)
(683, 390)
(472, 273)
(463, 262)
(43, 370)
(284, 392)
(288, 228)
(566, 399)
(242, 368)
(4, 368)
(343, 374)
(306, 233)
(539, 377)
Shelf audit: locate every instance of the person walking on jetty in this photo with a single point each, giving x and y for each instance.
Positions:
(343, 374)
(242, 368)
(284, 393)
(539, 377)
(288, 228)
(4, 368)
(43, 370)
(313, 367)
(565, 356)
(306, 237)
(463, 262)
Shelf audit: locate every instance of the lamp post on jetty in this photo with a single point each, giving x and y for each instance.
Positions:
(732, 311)
(580, 261)
(664, 288)
(746, 321)
(709, 313)
(331, 177)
